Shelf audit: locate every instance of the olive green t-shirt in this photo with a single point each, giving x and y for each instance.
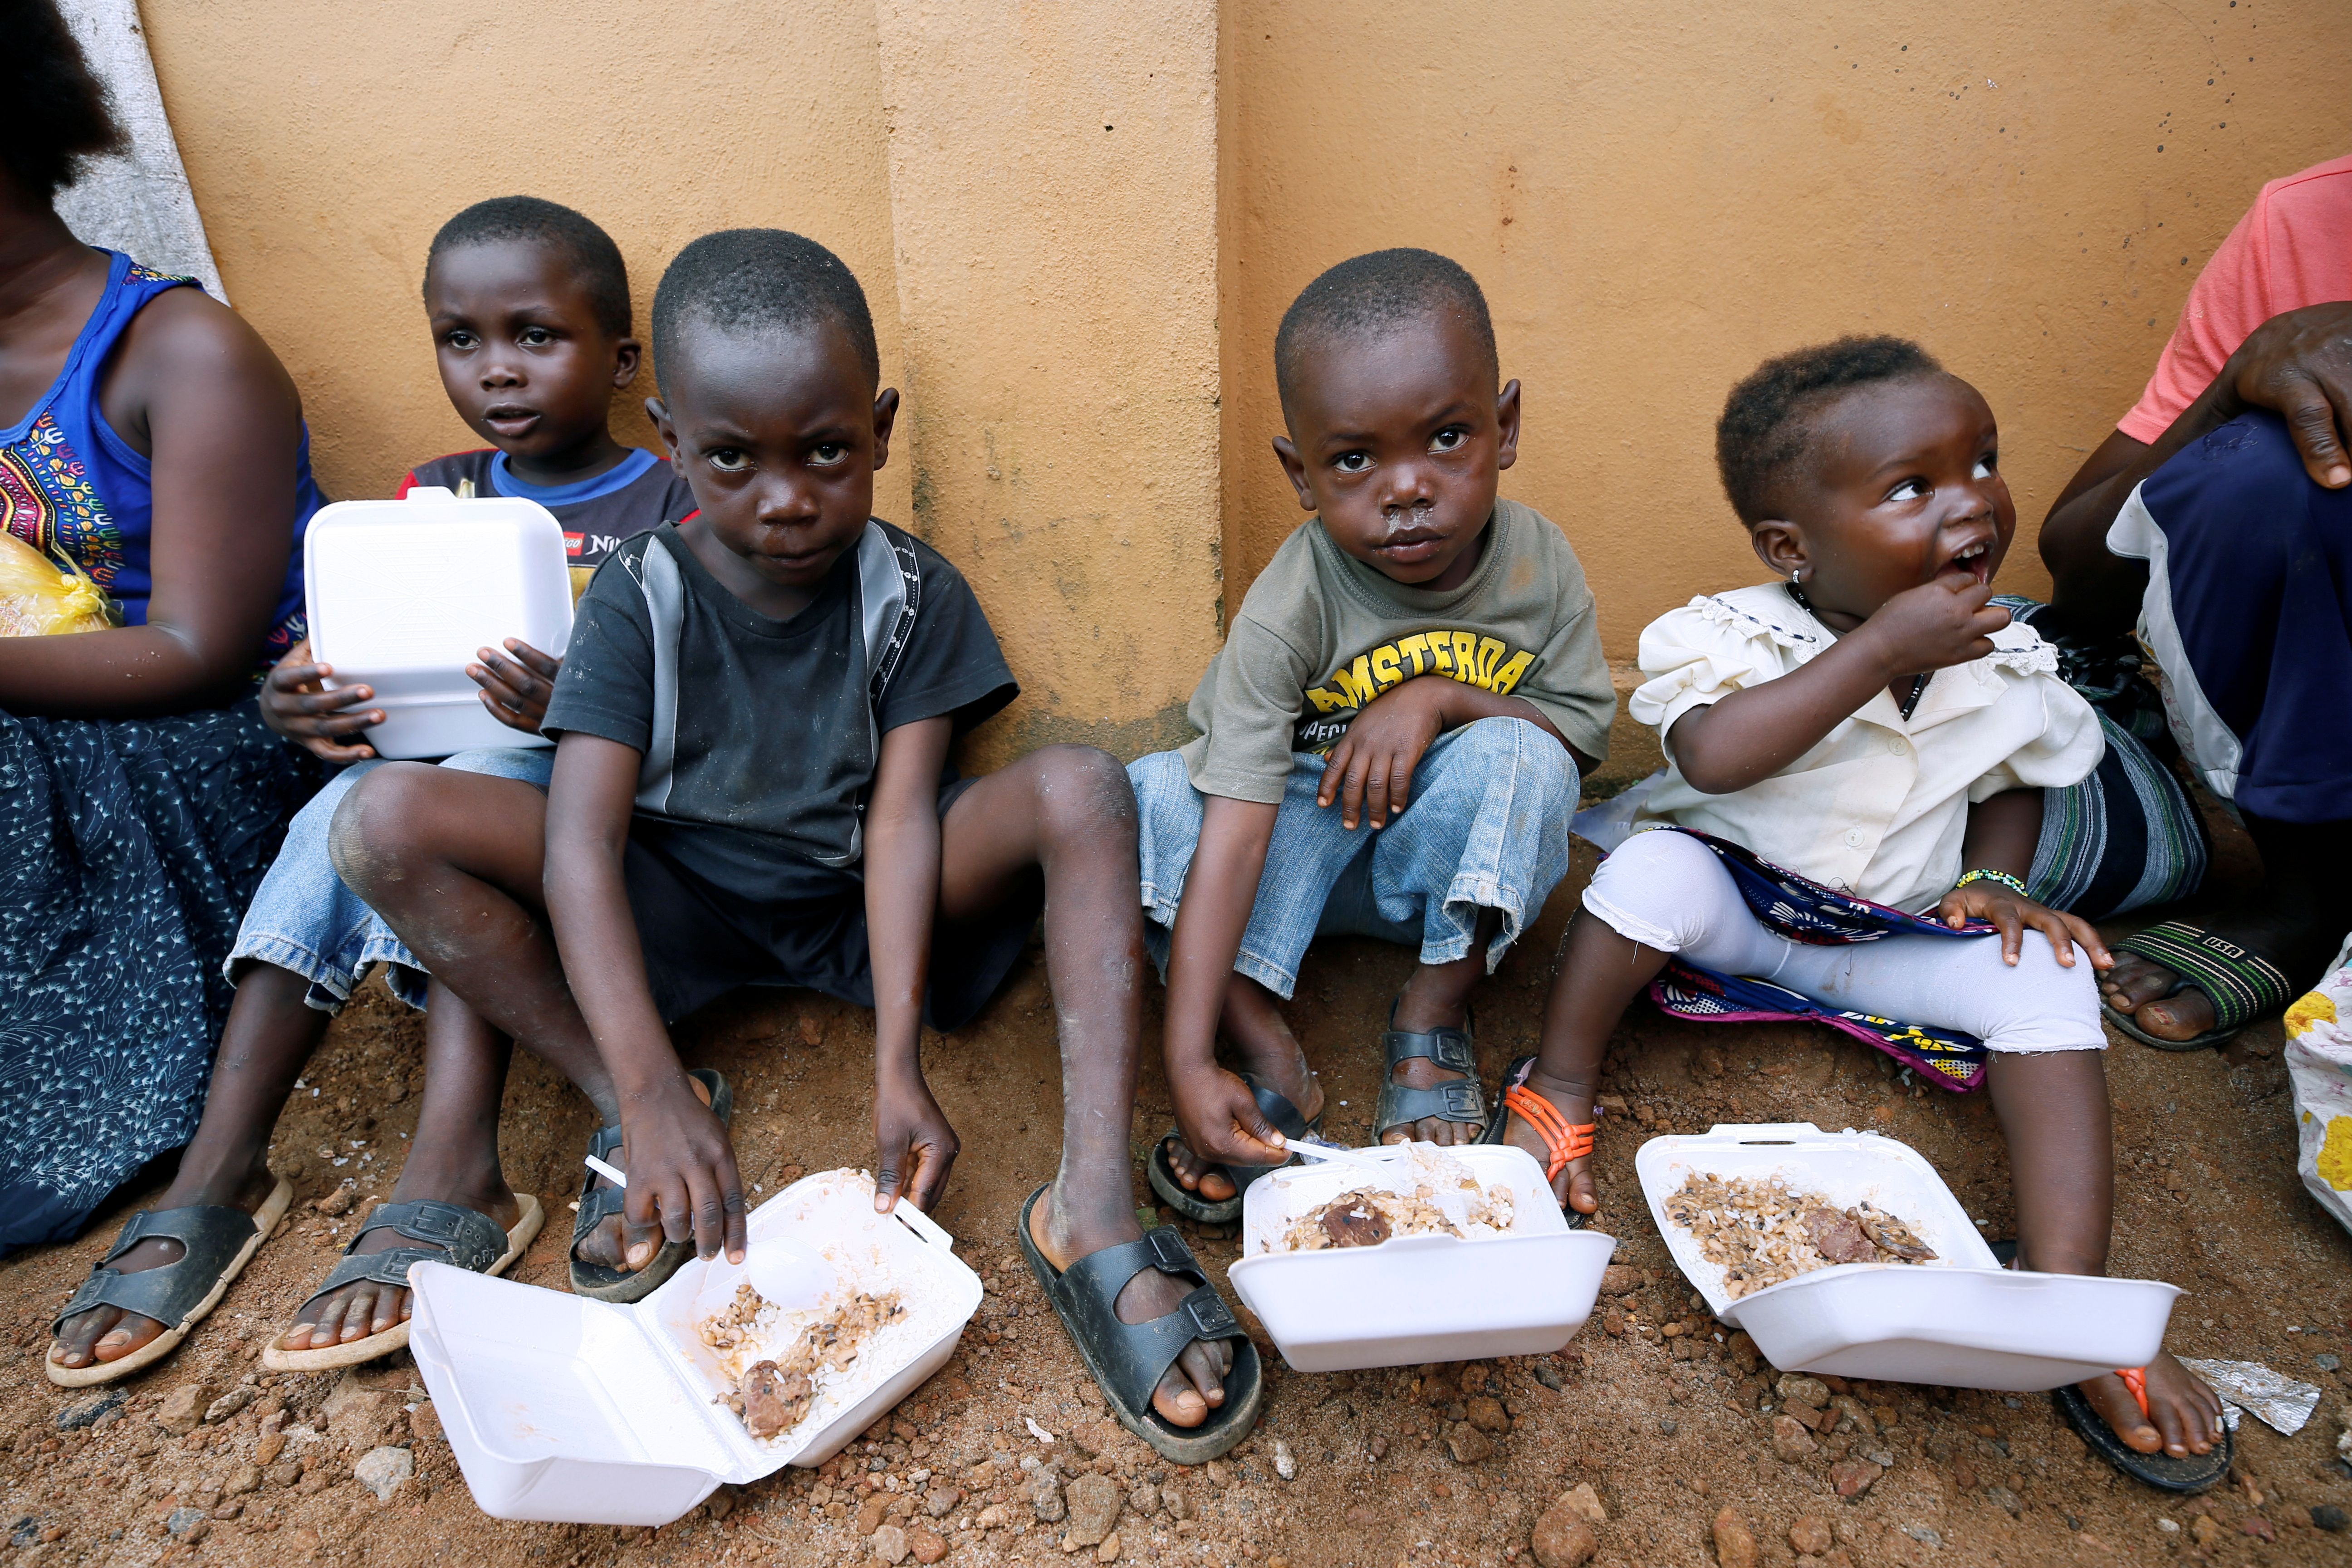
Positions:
(1321, 634)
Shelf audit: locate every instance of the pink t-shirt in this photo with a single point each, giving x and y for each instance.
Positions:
(2292, 249)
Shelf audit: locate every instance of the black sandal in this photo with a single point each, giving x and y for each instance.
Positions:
(2243, 983)
(601, 1282)
(1279, 1110)
(1458, 1100)
(1127, 1361)
(217, 1241)
(2196, 1473)
(459, 1237)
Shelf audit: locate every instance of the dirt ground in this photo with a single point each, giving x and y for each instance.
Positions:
(1449, 1465)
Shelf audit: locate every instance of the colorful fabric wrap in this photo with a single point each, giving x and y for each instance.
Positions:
(1804, 911)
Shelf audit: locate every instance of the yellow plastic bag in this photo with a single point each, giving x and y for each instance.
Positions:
(36, 598)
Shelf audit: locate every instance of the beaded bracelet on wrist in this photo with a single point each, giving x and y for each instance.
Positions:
(2013, 884)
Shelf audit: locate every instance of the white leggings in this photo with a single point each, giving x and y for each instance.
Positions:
(1669, 891)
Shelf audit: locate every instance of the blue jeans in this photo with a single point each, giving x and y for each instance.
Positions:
(1486, 829)
(304, 919)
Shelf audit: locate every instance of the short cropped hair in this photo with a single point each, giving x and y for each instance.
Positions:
(53, 108)
(1767, 424)
(760, 279)
(1370, 295)
(551, 226)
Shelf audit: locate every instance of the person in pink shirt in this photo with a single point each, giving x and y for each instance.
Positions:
(2216, 520)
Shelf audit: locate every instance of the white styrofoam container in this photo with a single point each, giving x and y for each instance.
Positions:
(1418, 1298)
(580, 1412)
(401, 594)
(1963, 1320)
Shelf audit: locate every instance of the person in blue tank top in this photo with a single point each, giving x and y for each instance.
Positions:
(149, 437)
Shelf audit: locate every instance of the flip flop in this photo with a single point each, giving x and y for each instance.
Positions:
(1456, 1100)
(2196, 1473)
(1562, 1142)
(601, 1282)
(2243, 983)
(457, 1235)
(1277, 1109)
(217, 1240)
(1127, 1361)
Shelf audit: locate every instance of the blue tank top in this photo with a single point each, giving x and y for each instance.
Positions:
(71, 487)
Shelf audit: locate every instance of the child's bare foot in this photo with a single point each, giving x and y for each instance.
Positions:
(368, 1307)
(1195, 1386)
(603, 1244)
(1573, 1185)
(109, 1333)
(1268, 1052)
(2184, 1416)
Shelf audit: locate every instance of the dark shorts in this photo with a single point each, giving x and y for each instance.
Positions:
(717, 908)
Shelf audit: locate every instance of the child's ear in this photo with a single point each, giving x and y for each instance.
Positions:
(1780, 546)
(886, 419)
(1294, 469)
(628, 355)
(657, 412)
(1506, 426)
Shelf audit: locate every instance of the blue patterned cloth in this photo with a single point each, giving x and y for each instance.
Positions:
(128, 851)
(1804, 911)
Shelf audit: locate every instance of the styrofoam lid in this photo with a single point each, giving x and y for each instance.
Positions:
(1844, 1168)
(420, 583)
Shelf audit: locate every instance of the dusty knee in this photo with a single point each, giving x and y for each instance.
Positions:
(369, 841)
(1083, 792)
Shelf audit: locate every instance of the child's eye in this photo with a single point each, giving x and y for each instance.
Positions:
(1986, 466)
(1353, 462)
(1909, 489)
(829, 454)
(537, 337)
(462, 339)
(728, 459)
(1452, 438)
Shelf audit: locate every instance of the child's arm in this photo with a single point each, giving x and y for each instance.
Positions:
(1755, 732)
(2002, 832)
(1371, 768)
(516, 689)
(1216, 1110)
(682, 1172)
(902, 898)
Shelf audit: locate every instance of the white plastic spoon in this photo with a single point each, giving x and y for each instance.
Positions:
(1364, 1158)
(788, 1276)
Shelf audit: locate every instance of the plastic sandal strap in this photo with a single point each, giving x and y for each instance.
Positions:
(2241, 983)
(465, 1240)
(1563, 1140)
(2135, 1379)
(210, 1237)
(1137, 1355)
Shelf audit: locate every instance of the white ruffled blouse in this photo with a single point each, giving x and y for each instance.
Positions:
(1879, 808)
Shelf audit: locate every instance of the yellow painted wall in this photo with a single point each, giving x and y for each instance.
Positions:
(1656, 198)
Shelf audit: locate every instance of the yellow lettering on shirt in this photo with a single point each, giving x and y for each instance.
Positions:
(1466, 658)
(1356, 682)
(1508, 677)
(1466, 655)
(1417, 646)
(1490, 651)
(1384, 666)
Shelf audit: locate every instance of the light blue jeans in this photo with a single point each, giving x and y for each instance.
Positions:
(304, 919)
(1486, 829)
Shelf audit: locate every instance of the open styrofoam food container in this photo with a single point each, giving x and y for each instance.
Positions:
(1960, 1320)
(401, 594)
(1417, 1298)
(583, 1412)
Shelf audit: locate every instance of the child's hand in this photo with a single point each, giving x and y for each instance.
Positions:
(1933, 626)
(516, 689)
(1371, 768)
(2013, 912)
(682, 1177)
(918, 1146)
(1221, 1121)
(295, 703)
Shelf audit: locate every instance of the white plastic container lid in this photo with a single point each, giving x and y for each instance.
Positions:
(1960, 1320)
(1416, 1299)
(580, 1412)
(401, 594)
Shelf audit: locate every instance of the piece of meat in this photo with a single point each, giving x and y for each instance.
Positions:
(774, 1399)
(1838, 1238)
(1351, 1222)
(1891, 1234)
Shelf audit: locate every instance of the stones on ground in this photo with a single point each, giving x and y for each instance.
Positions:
(1810, 1392)
(1735, 1544)
(871, 1511)
(1487, 1415)
(890, 1544)
(1144, 1500)
(267, 1448)
(184, 1520)
(1046, 1496)
(1584, 1502)
(90, 1411)
(1094, 1503)
(1924, 1534)
(1286, 1464)
(229, 1404)
(1109, 1551)
(243, 1479)
(1176, 1500)
(1563, 1536)
(339, 1201)
(382, 1470)
(1851, 1478)
(940, 1501)
(925, 1544)
(1810, 1535)
(1549, 1375)
(2008, 1500)
(2330, 1517)
(1790, 1441)
(1618, 1279)
(183, 1410)
(2203, 1531)
(284, 1473)
(1468, 1445)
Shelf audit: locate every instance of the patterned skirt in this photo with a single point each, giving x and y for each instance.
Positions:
(129, 849)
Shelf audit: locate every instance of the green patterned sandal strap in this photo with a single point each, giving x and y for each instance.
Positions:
(2241, 983)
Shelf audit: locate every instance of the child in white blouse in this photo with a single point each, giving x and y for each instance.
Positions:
(1871, 723)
